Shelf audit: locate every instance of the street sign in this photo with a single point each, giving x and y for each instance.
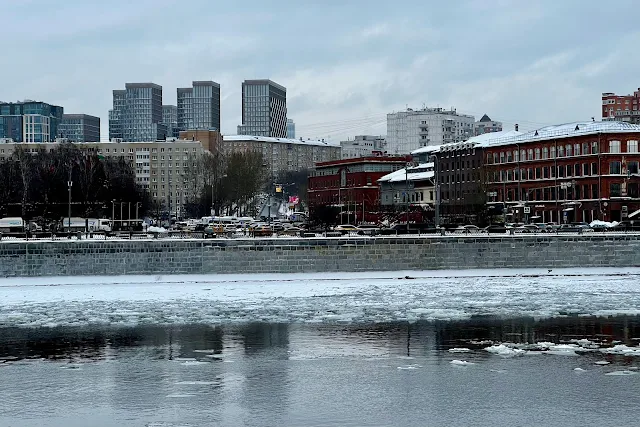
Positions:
(527, 209)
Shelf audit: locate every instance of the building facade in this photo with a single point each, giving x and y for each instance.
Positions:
(411, 129)
(79, 128)
(30, 121)
(486, 125)
(291, 129)
(282, 154)
(567, 173)
(199, 106)
(409, 187)
(622, 108)
(363, 146)
(137, 113)
(161, 166)
(351, 184)
(170, 120)
(264, 109)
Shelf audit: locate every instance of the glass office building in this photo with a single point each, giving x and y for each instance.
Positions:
(170, 120)
(137, 113)
(29, 121)
(264, 109)
(79, 128)
(199, 106)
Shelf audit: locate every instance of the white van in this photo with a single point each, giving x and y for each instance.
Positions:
(12, 225)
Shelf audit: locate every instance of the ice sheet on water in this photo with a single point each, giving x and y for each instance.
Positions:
(317, 297)
(457, 362)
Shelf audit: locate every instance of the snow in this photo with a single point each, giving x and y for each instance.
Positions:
(621, 373)
(505, 350)
(157, 230)
(459, 350)
(622, 349)
(457, 362)
(250, 138)
(603, 224)
(326, 298)
(417, 173)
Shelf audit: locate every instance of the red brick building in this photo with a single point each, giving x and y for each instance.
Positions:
(567, 173)
(622, 108)
(351, 184)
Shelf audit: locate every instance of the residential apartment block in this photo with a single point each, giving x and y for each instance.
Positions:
(486, 125)
(363, 146)
(411, 129)
(199, 106)
(264, 109)
(622, 108)
(282, 154)
(137, 113)
(29, 121)
(79, 128)
(161, 166)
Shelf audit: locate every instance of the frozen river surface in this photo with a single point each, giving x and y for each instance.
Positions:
(339, 297)
(475, 348)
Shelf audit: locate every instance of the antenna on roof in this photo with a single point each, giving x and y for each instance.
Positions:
(593, 119)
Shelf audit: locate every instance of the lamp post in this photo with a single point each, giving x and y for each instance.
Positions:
(69, 185)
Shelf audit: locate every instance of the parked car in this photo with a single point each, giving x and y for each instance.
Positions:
(528, 228)
(496, 229)
(468, 229)
(346, 228)
(368, 230)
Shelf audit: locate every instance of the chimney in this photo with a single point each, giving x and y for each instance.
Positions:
(516, 127)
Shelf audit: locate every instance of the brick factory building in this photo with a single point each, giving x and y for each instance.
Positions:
(351, 184)
(566, 173)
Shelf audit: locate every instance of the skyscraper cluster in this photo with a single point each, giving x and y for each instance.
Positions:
(138, 113)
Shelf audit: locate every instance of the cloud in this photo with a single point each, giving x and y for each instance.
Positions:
(345, 64)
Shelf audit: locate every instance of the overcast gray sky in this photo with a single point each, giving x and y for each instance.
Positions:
(345, 63)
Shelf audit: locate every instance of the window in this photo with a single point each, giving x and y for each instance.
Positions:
(576, 149)
(585, 148)
(632, 190)
(560, 171)
(632, 146)
(614, 146)
(523, 155)
(585, 169)
(538, 173)
(502, 157)
(632, 167)
(537, 154)
(545, 172)
(552, 152)
(569, 170)
(614, 168)
(561, 151)
(530, 173)
(545, 153)
(553, 171)
(569, 150)
(615, 190)
(594, 191)
(576, 169)
(530, 154)
(594, 148)
(594, 169)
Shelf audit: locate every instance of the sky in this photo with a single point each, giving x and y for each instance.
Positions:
(345, 63)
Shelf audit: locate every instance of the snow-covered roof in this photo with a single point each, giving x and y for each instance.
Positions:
(251, 138)
(427, 149)
(417, 173)
(564, 130)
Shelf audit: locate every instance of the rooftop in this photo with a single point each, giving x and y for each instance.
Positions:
(368, 159)
(251, 138)
(264, 82)
(417, 173)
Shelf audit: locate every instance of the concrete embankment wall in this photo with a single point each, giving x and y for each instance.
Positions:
(74, 258)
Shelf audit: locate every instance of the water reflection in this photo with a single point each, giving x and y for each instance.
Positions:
(265, 374)
(282, 341)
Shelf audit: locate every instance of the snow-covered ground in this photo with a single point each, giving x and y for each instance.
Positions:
(318, 297)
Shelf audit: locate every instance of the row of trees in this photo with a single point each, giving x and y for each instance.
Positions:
(228, 184)
(36, 184)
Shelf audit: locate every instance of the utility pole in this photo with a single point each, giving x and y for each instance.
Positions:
(406, 189)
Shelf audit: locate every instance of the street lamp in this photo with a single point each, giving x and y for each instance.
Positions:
(69, 185)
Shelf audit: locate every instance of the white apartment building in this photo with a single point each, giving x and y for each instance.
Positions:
(363, 146)
(282, 154)
(412, 129)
